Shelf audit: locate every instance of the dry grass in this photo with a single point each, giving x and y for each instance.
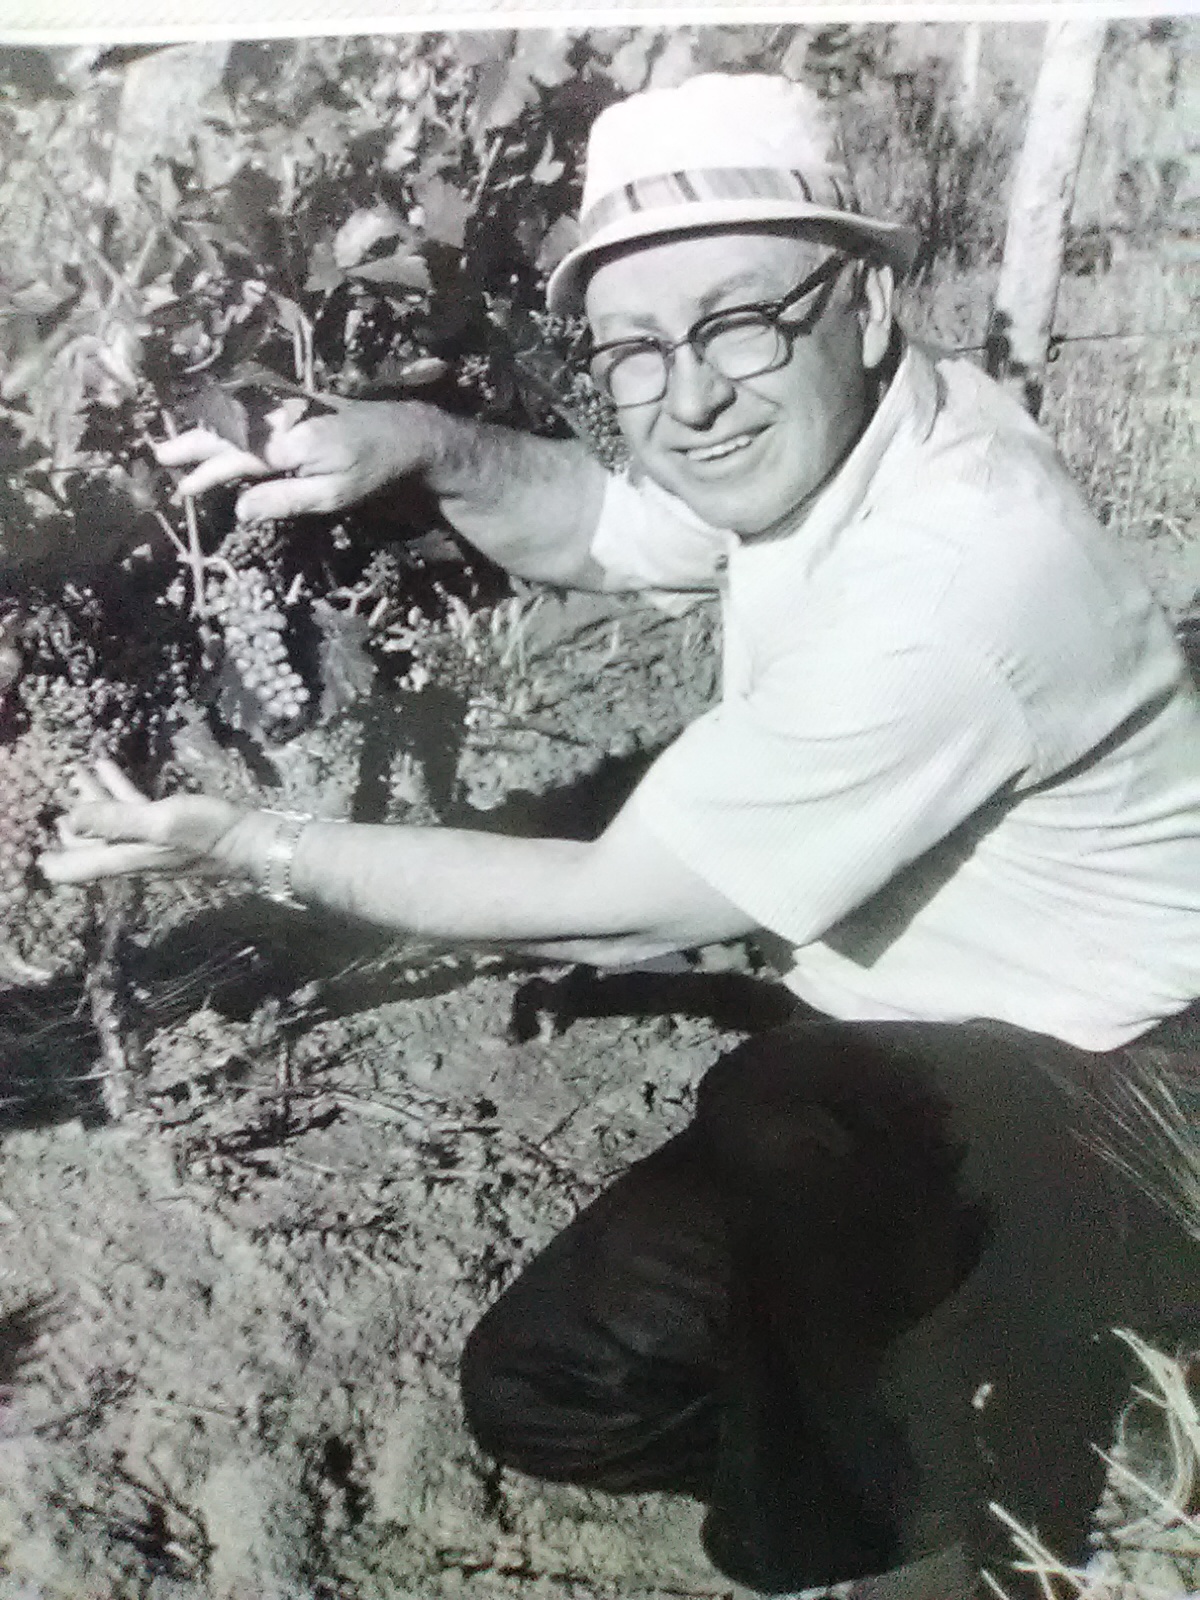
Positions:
(1149, 1521)
(1149, 1547)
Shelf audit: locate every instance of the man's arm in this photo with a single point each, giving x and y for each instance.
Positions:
(621, 898)
(529, 504)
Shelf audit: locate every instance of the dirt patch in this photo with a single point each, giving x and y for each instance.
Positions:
(257, 1289)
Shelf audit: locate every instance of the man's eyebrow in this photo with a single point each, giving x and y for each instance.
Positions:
(749, 281)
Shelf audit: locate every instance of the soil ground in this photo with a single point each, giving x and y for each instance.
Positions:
(232, 1320)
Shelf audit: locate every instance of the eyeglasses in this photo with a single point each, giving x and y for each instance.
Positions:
(743, 342)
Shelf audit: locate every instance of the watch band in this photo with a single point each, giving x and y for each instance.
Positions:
(276, 881)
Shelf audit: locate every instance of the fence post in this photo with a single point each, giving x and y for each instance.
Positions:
(1043, 189)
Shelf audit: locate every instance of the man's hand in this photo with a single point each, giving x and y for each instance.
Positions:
(323, 464)
(116, 831)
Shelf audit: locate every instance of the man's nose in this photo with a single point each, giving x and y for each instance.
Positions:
(696, 392)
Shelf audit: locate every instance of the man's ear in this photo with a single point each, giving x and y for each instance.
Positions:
(877, 290)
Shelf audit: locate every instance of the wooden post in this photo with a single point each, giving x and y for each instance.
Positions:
(1018, 336)
(969, 61)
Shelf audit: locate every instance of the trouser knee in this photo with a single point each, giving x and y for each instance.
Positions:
(488, 1416)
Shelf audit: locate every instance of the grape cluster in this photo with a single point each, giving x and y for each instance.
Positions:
(38, 925)
(474, 374)
(251, 544)
(596, 421)
(252, 621)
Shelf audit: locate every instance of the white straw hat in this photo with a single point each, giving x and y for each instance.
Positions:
(718, 150)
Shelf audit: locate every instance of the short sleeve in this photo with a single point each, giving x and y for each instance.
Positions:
(804, 798)
(648, 539)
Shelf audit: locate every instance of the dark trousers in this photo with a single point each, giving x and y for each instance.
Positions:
(868, 1289)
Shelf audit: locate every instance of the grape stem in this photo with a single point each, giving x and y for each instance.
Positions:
(194, 556)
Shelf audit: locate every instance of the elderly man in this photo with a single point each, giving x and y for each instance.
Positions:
(955, 771)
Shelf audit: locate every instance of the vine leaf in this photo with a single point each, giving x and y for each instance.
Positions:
(404, 270)
(630, 66)
(365, 233)
(561, 237)
(446, 212)
(549, 168)
(324, 274)
(347, 671)
(505, 88)
(222, 413)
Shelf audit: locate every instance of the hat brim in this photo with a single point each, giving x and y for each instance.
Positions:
(894, 242)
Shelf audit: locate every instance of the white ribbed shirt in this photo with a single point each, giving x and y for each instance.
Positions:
(956, 761)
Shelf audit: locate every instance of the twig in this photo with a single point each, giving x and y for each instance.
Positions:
(52, 185)
(194, 558)
(485, 173)
(378, 1109)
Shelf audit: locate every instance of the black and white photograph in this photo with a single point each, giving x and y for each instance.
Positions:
(600, 812)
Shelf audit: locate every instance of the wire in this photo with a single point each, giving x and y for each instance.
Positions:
(1057, 340)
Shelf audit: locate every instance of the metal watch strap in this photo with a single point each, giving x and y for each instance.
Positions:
(279, 855)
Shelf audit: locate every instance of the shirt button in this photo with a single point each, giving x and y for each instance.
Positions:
(721, 564)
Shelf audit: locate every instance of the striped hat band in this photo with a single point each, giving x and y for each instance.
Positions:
(700, 185)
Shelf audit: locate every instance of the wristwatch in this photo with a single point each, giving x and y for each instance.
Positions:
(276, 881)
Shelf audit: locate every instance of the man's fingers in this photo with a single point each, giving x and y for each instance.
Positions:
(294, 448)
(292, 497)
(231, 466)
(87, 786)
(117, 784)
(187, 449)
(85, 863)
(117, 820)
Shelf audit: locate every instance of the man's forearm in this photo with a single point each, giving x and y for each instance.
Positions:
(619, 898)
(437, 883)
(529, 504)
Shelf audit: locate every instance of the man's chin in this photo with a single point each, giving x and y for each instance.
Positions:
(731, 512)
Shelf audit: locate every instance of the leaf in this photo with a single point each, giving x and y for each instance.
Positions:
(447, 212)
(324, 274)
(415, 374)
(251, 198)
(505, 88)
(404, 270)
(34, 300)
(364, 231)
(347, 671)
(548, 169)
(473, 48)
(562, 237)
(501, 95)
(630, 66)
(544, 54)
(405, 142)
(214, 408)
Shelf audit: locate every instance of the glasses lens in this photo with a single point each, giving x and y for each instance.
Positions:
(743, 345)
(631, 376)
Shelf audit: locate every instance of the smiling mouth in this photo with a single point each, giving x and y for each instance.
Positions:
(700, 454)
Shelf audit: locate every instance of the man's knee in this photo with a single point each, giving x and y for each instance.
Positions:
(492, 1415)
(769, 1107)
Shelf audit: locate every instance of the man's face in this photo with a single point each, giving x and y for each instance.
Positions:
(742, 454)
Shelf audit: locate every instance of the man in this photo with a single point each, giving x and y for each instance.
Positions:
(956, 769)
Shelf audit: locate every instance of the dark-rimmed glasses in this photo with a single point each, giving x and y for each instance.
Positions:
(742, 342)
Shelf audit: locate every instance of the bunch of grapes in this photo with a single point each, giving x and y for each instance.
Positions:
(252, 623)
(24, 795)
(475, 374)
(250, 544)
(595, 421)
(68, 726)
